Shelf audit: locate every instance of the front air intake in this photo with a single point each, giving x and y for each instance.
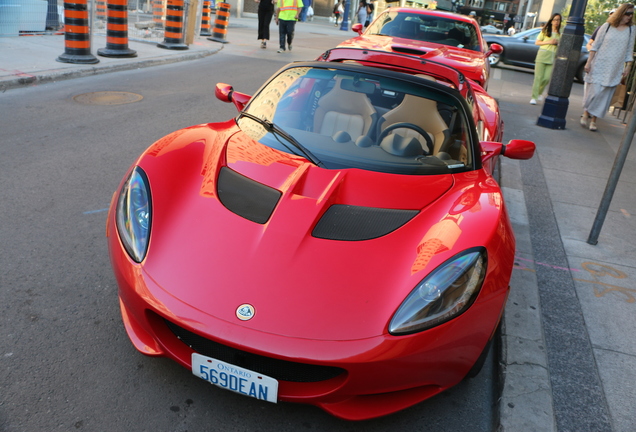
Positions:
(353, 223)
(279, 369)
(247, 198)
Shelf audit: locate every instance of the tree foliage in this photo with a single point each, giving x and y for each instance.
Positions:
(596, 13)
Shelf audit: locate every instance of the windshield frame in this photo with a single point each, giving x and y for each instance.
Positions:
(444, 91)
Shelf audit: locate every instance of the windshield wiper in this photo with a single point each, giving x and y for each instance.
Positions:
(277, 131)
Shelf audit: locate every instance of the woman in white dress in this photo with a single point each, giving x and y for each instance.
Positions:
(609, 63)
(362, 12)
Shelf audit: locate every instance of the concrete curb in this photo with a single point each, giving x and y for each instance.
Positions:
(526, 395)
(48, 76)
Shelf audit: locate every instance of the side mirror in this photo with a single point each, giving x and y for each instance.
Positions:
(226, 93)
(494, 48)
(515, 149)
(518, 149)
(223, 92)
(357, 28)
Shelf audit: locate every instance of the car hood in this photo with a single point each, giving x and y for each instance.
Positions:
(471, 63)
(207, 256)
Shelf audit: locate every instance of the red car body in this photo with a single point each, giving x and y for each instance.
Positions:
(192, 253)
(406, 31)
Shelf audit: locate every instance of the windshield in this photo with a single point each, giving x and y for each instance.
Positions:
(427, 28)
(353, 119)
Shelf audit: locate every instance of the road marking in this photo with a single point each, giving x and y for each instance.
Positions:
(521, 267)
(597, 271)
(95, 211)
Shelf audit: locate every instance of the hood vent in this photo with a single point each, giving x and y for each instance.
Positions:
(245, 197)
(353, 223)
(405, 50)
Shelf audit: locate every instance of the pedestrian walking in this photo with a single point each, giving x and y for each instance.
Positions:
(548, 40)
(370, 9)
(338, 11)
(286, 15)
(595, 32)
(608, 64)
(304, 16)
(362, 12)
(265, 14)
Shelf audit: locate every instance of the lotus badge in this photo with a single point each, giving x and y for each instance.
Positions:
(245, 312)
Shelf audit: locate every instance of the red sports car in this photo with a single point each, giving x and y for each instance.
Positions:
(341, 242)
(445, 37)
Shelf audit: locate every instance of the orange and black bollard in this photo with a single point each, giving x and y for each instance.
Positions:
(205, 19)
(101, 9)
(117, 31)
(174, 35)
(157, 13)
(77, 41)
(220, 23)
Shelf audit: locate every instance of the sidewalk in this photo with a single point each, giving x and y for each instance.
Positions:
(568, 346)
(569, 349)
(28, 60)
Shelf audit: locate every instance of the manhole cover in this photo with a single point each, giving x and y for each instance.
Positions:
(107, 98)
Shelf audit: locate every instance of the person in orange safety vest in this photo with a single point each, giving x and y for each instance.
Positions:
(286, 15)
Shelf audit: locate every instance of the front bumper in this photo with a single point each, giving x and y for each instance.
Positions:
(375, 376)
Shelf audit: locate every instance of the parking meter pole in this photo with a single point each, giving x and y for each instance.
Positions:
(556, 104)
(621, 156)
(345, 20)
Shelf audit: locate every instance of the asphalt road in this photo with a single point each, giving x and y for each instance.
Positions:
(65, 358)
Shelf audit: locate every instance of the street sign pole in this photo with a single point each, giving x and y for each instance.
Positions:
(621, 156)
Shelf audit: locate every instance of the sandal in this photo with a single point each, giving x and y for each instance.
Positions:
(583, 121)
(593, 126)
(263, 44)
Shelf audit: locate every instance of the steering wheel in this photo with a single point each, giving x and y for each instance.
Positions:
(416, 128)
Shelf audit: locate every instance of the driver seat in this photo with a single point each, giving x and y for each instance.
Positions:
(420, 112)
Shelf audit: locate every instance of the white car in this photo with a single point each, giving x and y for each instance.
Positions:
(491, 29)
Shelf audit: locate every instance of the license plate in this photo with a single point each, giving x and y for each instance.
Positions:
(234, 378)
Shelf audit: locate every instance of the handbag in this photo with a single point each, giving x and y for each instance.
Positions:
(618, 99)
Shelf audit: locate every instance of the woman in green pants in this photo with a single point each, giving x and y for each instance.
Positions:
(547, 40)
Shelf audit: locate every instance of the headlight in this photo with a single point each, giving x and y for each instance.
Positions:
(442, 295)
(133, 216)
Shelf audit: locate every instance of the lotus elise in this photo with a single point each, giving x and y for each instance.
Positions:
(341, 242)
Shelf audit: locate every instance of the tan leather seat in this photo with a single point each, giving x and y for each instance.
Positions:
(343, 110)
(420, 112)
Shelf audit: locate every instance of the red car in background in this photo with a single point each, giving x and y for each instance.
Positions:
(445, 37)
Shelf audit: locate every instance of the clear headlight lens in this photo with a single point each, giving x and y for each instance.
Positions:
(133, 216)
(442, 295)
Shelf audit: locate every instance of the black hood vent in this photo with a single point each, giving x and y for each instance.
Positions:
(353, 223)
(245, 197)
(406, 50)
